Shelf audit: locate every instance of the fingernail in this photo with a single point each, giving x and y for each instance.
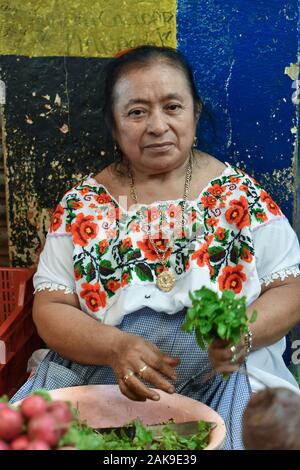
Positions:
(171, 389)
(173, 377)
(155, 397)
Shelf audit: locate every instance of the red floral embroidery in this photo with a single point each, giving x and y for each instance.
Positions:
(150, 214)
(244, 188)
(149, 252)
(209, 201)
(212, 221)
(159, 269)
(103, 245)
(56, 220)
(246, 255)
(84, 229)
(102, 198)
(216, 190)
(238, 213)
(175, 211)
(113, 285)
(271, 205)
(220, 233)
(125, 279)
(84, 191)
(126, 243)
(232, 278)
(193, 215)
(261, 215)
(234, 179)
(77, 273)
(75, 204)
(201, 255)
(94, 297)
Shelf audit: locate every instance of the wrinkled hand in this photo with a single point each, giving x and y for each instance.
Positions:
(137, 360)
(224, 358)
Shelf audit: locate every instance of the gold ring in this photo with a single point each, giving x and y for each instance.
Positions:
(142, 370)
(233, 359)
(127, 376)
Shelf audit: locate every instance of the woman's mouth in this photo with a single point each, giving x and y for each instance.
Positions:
(160, 147)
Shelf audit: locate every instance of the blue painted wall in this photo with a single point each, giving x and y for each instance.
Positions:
(239, 50)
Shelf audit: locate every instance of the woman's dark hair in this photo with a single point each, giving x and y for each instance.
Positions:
(141, 57)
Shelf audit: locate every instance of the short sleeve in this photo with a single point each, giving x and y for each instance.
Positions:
(55, 269)
(277, 250)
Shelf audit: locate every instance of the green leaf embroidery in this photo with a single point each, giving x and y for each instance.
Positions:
(90, 272)
(234, 254)
(216, 253)
(105, 268)
(143, 272)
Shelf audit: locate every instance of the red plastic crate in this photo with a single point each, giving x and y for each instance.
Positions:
(18, 335)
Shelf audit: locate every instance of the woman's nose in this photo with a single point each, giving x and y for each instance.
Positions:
(157, 123)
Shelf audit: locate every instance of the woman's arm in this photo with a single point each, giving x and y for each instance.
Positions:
(278, 310)
(80, 338)
(73, 335)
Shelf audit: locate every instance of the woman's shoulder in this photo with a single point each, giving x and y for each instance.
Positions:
(206, 169)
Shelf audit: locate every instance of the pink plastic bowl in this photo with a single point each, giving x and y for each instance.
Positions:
(105, 406)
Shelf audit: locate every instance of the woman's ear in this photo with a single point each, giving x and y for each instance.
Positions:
(198, 111)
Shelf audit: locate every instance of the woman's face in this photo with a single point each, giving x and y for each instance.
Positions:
(154, 117)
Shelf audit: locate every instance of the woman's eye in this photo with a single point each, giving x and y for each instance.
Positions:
(173, 107)
(136, 112)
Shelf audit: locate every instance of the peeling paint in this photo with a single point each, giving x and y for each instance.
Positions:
(292, 71)
(282, 179)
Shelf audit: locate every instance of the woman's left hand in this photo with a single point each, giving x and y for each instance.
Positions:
(225, 357)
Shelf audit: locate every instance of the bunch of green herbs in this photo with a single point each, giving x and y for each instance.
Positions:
(83, 437)
(217, 317)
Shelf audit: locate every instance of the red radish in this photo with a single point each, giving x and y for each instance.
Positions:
(4, 446)
(60, 410)
(43, 428)
(3, 405)
(33, 405)
(37, 444)
(11, 423)
(20, 443)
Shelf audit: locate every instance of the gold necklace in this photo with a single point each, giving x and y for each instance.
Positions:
(165, 281)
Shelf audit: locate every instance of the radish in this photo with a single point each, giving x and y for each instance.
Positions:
(43, 428)
(61, 411)
(4, 446)
(3, 405)
(11, 423)
(33, 405)
(20, 443)
(37, 444)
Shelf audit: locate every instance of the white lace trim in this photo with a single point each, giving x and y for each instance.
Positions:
(282, 274)
(52, 286)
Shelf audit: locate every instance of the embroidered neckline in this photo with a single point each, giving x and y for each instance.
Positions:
(159, 202)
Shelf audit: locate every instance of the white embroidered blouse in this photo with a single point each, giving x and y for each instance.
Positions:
(235, 237)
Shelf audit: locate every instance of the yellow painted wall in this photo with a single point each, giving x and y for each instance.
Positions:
(84, 28)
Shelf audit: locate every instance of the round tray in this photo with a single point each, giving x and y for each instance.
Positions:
(103, 406)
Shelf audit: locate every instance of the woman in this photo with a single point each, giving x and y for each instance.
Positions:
(127, 245)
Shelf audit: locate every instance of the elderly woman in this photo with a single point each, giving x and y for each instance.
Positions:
(127, 245)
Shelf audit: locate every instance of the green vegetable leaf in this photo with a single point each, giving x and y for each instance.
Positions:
(212, 316)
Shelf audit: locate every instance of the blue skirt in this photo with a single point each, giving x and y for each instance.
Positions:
(227, 397)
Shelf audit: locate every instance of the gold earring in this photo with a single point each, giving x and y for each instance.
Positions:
(195, 143)
(117, 152)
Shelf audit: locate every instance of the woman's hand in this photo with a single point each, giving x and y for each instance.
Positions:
(226, 358)
(136, 360)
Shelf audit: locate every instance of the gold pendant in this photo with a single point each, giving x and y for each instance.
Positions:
(165, 281)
